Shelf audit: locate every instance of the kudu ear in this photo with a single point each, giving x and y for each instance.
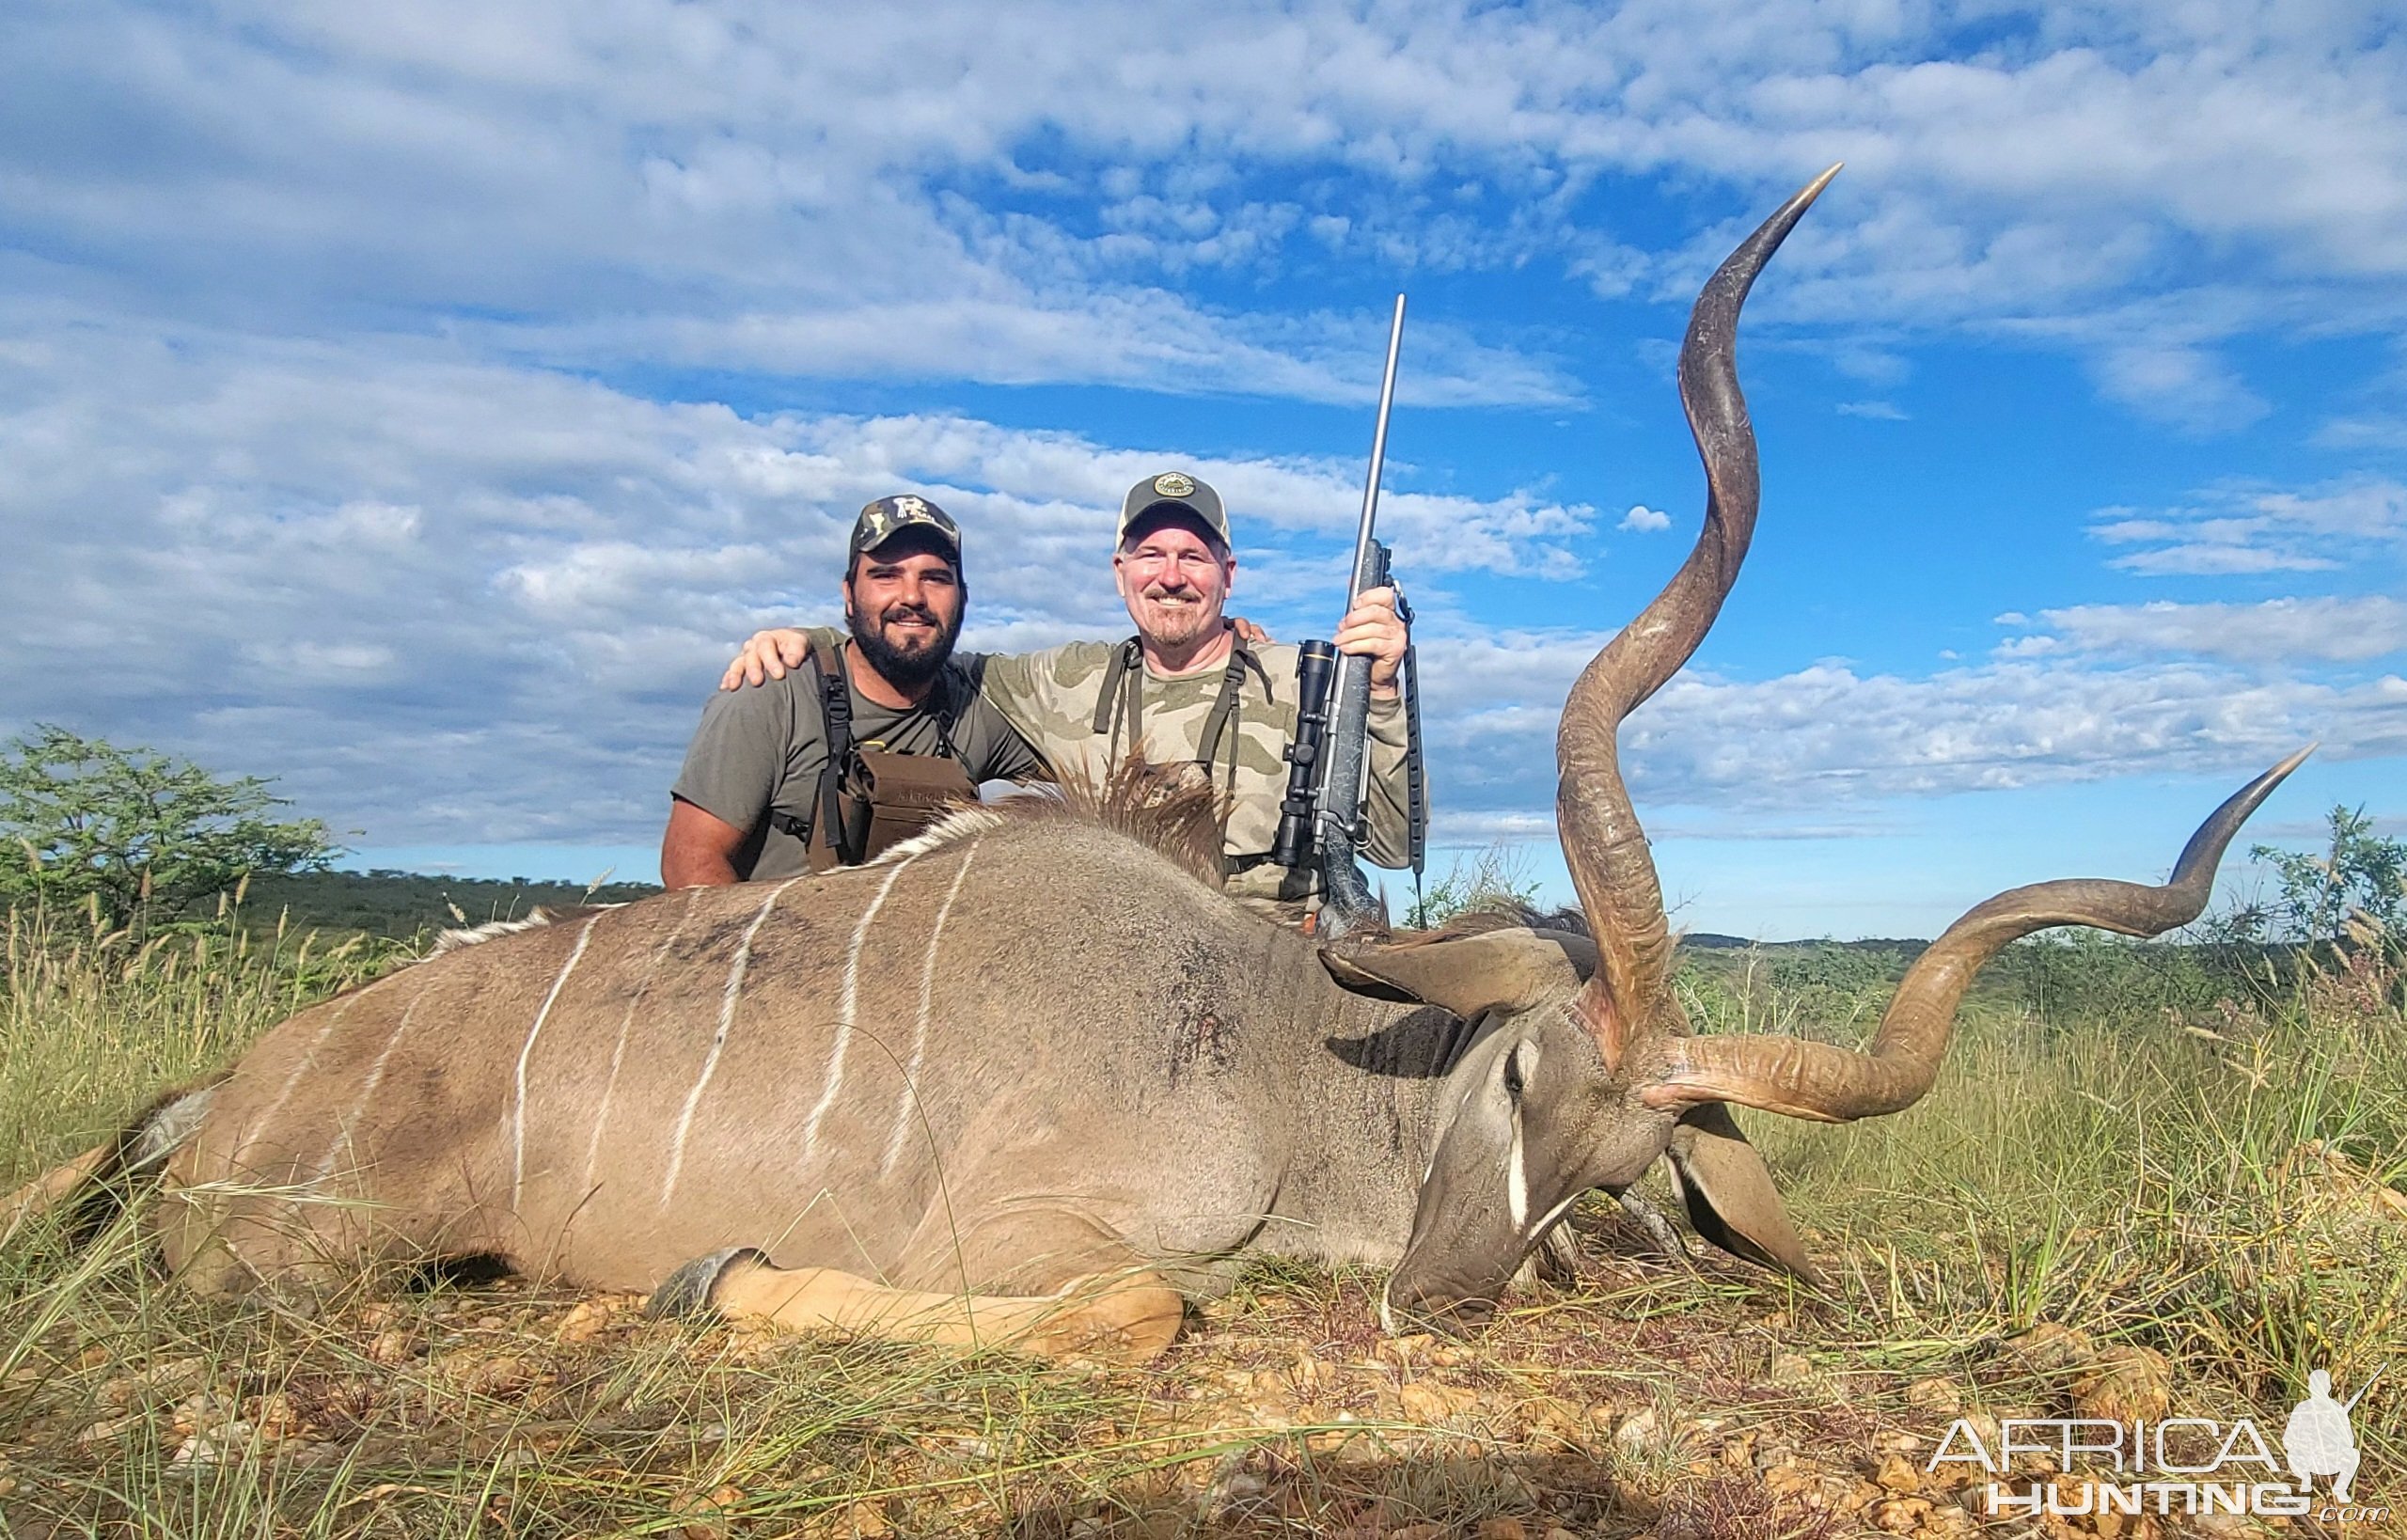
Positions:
(1468, 974)
(1728, 1193)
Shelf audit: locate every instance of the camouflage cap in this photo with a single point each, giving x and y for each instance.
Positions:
(1177, 492)
(888, 517)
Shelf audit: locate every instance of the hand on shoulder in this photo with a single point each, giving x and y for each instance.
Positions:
(765, 656)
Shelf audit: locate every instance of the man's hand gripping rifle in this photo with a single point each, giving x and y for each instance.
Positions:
(1319, 819)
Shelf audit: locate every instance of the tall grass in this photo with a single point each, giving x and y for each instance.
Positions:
(2226, 1190)
(2222, 1184)
(93, 1021)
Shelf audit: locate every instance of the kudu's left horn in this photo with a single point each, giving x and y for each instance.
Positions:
(1602, 843)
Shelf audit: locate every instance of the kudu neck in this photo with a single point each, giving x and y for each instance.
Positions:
(1370, 1082)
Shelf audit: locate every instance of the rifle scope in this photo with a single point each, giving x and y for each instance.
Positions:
(1316, 663)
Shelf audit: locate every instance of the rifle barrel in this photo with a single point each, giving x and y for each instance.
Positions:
(1379, 458)
(1346, 902)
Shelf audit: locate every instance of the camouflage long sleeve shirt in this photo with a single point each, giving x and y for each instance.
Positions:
(1051, 697)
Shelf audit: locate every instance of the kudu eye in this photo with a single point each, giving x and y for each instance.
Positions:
(1518, 1065)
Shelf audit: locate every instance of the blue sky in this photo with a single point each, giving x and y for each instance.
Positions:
(417, 403)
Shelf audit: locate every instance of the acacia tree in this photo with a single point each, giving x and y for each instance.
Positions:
(2360, 873)
(143, 834)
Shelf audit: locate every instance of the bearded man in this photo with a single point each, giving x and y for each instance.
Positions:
(1193, 684)
(864, 741)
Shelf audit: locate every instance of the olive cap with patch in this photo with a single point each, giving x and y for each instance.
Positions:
(1176, 492)
(888, 517)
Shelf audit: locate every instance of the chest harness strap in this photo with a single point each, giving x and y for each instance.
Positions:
(845, 836)
(1120, 707)
(836, 717)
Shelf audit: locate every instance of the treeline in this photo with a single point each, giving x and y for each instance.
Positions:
(407, 905)
(1838, 989)
(146, 842)
(151, 844)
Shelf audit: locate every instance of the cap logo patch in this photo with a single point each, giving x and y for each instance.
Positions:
(1174, 485)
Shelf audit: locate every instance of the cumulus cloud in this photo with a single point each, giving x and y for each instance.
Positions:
(450, 600)
(1828, 738)
(337, 386)
(453, 602)
(781, 187)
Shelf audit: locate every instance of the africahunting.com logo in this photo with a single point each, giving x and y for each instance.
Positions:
(2176, 1464)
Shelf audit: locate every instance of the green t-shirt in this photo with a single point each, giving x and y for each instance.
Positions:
(760, 750)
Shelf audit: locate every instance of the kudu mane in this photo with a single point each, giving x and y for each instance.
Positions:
(1168, 809)
(470, 936)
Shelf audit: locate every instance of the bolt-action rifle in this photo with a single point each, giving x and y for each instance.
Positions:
(1320, 817)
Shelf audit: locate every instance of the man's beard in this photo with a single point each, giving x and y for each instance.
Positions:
(907, 668)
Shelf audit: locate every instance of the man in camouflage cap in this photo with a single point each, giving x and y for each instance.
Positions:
(1186, 686)
(780, 780)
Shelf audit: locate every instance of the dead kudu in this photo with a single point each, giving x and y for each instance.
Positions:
(1033, 1079)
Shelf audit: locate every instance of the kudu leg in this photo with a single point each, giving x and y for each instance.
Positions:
(59, 1185)
(1129, 1317)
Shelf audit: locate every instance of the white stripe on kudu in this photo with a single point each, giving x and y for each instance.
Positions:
(1517, 1178)
(526, 1050)
(919, 1038)
(619, 1053)
(367, 1090)
(726, 1019)
(851, 1007)
(259, 1130)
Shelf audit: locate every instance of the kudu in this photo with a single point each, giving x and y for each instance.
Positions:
(1030, 1078)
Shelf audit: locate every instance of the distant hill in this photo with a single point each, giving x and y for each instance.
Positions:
(403, 904)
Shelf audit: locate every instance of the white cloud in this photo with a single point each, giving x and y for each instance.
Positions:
(1828, 738)
(385, 531)
(1000, 192)
(456, 602)
(1878, 411)
(2376, 418)
(2241, 528)
(1109, 336)
(450, 601)
(2177, 384)
(2272, 633)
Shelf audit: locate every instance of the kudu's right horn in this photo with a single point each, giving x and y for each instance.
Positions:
(1806, 1079)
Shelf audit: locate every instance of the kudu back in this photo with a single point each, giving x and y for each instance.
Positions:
(1033, 1077)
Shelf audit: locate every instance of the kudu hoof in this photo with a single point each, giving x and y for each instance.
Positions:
(686, 1294)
